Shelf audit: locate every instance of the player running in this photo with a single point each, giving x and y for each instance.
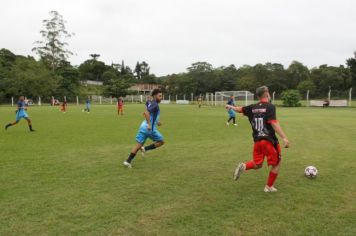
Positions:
(120, 106)
(21, 113)
(262, 117)
(231, 112)
(148, 129)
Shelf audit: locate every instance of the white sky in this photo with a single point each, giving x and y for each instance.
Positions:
(172, 34)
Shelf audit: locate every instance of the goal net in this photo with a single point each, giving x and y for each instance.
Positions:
(242, 98)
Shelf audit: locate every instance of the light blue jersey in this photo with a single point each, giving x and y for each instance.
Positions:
(153, 134)
(21, 112)
(87, 104)
(230, 111)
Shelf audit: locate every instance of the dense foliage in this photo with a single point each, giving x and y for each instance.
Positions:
(291, 98)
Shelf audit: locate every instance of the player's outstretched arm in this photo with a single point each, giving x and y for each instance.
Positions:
(235, 108)
(277, 127)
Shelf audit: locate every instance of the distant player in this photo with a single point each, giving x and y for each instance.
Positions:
(231, 112)
(200, 101)
(148, 101)
(148, 129)
(120, 106)
(87, 105)
(64, 106)
(262, 117)
(21, 113)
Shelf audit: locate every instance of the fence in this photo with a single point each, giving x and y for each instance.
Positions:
(209, 99)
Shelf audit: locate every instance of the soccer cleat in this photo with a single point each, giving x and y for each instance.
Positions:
(270, 189)
(227, 123)
(128, 165)
(235, 124)
(143, 151)
(239, 170)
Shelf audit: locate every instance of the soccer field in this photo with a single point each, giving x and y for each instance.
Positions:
(67, 177)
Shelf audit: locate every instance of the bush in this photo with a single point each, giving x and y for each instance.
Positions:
(291, 98)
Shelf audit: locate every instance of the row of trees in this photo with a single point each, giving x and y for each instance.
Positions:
(53, 75)
(26, 75)
(201, 77)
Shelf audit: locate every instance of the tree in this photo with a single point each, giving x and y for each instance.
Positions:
(94, 56)
(30, 78)
(108, 76)
(52, 49)
(351, 63)
(137, 71)
(306, 85)
(91, 69)
(329, 76)
(291, 98)
(296, 73)
(200, 67)
(116, 88)
(7, 59)
(68, 83)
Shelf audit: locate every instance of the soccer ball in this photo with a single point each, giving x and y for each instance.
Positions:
(310, 172)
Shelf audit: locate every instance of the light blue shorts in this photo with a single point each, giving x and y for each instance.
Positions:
(231, 113)
(20, 115)
(144, 134)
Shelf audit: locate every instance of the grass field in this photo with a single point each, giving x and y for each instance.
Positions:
(67, 177)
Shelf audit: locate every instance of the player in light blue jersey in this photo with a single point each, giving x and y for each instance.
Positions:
(21, 113)
(148, 128)
(231, 112)
(87, 105)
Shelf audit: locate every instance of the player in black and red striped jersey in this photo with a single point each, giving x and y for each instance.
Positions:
(265, 125)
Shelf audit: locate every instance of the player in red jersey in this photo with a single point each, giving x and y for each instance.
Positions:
(265, 125)
(64, 106)
(120, 106)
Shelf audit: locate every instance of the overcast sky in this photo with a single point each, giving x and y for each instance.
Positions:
(172, 34)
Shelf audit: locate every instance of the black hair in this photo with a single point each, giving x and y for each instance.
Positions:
(155, 92)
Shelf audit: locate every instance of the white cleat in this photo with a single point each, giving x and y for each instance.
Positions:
(235, 124)
(239, 170)
(128, 165)
(270, 189)
(143, 151)
(227, 123)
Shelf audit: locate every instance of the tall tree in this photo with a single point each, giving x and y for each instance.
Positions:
(296, 73)
(137, 71)
(94, 56)
(52, 49)
(351, 63)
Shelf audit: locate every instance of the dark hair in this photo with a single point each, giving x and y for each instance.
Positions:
(155, 92)
(261, 90)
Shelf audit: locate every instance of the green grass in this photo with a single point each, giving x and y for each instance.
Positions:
(67, 177)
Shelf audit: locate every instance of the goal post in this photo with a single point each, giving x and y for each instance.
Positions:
(242, 98)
